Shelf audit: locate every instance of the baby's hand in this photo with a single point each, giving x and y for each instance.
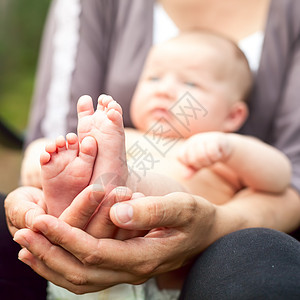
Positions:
(31, 168)
(203, 150)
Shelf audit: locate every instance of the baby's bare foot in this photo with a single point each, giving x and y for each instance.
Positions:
(66, 170)
(106, 126)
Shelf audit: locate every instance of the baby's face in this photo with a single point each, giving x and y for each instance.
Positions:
(161, 97)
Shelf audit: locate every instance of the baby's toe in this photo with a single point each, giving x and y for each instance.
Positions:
(50, 147)
(44, 158)
(116, 117)
(88, 149)
(115, 105)
(72, 141)
(103, 102)
(85, 106)
(60, 144)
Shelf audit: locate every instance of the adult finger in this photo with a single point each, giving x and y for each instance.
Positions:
(111, 254)
(172, 210)
(82, 245)
(175, 237)
(49, 274)
(90, 268)
(83, 206)
(58, 266)
(101, 226)
(22, 206)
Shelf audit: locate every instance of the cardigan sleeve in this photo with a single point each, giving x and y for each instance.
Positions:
(286, 124)
(275, 101)
(72, 62)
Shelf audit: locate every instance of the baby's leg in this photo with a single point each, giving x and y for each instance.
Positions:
(66, 170)
(106, 126)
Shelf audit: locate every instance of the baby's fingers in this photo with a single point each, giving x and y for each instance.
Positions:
(194, 156)
(213, 152)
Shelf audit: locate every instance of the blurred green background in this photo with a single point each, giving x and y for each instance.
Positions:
(21, 26)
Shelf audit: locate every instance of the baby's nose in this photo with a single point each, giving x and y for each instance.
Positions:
(167, 87)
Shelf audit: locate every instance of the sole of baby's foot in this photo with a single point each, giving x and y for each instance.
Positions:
(105, 124)
(66, 169)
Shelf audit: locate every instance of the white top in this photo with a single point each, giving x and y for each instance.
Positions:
(252, 47)
(164, 28)
(64, 46)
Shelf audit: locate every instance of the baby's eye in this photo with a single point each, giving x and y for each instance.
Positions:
(153, 78)
(190, 84)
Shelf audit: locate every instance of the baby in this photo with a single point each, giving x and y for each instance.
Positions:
(187, 105)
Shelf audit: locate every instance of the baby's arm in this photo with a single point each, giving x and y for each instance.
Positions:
(259, 165)
(154, 184)
(31, 168)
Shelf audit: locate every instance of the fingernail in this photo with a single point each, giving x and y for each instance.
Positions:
(29, 217)
(23, 259)
(21, 241)
(43, 227)
(122, 193)
(123, 212)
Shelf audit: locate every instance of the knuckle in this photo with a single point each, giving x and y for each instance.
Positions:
(93, 258)
(77, 280)
(192, 204)
(144, 270)
(201, 159)
(213, 154)
(57, 240)
(15, 215)
(12, 215)
(43, 257)
(190, 208)
(157, 214)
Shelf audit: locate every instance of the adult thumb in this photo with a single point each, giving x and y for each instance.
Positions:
(145, 213)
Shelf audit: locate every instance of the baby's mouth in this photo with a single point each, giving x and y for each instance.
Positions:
(160, 112)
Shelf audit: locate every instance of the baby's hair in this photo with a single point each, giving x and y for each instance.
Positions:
(241, 75)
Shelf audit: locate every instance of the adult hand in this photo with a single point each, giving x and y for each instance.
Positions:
(26, 203)
(85, 212)
(100, 224)
(179, 227)
(22, 205)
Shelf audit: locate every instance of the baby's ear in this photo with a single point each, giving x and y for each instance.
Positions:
(236, 117)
